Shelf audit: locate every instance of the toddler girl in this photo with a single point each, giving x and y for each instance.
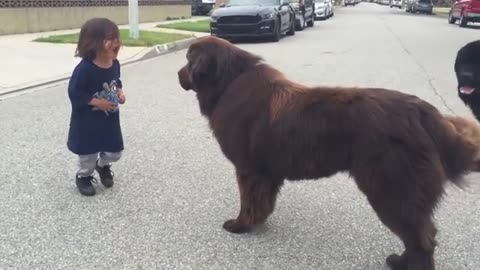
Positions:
(95, 90)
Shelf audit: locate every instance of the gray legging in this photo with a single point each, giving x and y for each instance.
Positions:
(87, 163)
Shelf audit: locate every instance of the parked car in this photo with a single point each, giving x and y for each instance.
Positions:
(349, 3)
(253, 18)
(304, 13)
(465, 11)
(396, 3)
(420, 6)
(202, 7)
(323, 9)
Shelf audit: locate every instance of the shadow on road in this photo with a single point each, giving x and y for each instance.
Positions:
(251, 40)
(469, 26)
(404, 13)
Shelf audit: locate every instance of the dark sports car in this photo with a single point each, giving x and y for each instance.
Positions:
(253, 18)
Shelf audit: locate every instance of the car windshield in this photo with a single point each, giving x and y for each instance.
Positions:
(425, 1)
(253, 2)
(320, 1)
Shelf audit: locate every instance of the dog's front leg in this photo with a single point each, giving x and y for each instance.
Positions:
(257, 201)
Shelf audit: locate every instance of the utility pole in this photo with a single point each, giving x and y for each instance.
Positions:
(133, 18)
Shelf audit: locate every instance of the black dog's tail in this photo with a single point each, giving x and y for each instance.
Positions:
(458, 142)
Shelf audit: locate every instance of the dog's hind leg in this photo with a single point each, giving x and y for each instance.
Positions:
(257, 201)
(413, 224)
(404, 199)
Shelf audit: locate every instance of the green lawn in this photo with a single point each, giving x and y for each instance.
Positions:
(197, 26)
(146, 39)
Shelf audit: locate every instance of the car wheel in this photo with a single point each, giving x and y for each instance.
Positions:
(278, 33)
(291, 32)
(463, 21)
(451, 19)
(301, 24)
(311, 23)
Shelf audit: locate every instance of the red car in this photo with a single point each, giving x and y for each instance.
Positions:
(465, 11)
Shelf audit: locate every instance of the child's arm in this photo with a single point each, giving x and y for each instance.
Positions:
(102, 104)
(120, 94)
(77, 86)
(78, 94)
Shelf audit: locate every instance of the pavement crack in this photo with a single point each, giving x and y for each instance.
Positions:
(335, 53)
(429, 78)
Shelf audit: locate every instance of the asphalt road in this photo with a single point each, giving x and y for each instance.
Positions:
(175, 189)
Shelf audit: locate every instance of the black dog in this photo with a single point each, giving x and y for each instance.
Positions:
(467, 70)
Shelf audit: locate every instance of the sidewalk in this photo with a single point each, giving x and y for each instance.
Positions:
(27, 63)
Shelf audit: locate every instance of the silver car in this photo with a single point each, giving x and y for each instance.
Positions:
(396, 3)
(323, 9)
(349, 2)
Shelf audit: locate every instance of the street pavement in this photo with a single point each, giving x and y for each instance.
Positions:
(174, 188)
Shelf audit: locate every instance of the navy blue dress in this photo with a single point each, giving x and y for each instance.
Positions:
(92, 130)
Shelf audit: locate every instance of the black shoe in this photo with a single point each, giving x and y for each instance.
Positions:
(106, 175)
(85, 186)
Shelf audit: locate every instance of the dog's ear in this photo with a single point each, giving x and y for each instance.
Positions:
(203, 69)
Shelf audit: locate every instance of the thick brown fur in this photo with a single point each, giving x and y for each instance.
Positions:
(470, 131)
(399, 149)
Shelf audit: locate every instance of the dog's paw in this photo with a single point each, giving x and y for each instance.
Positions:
(234, 226)
(396, 262)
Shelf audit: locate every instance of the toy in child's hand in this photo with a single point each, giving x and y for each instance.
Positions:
(109, 93)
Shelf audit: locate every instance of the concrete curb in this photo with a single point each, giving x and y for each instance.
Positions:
(159, 50)
(151, 52)
(441, 14)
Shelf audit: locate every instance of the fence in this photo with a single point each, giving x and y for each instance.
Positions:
(24, 16)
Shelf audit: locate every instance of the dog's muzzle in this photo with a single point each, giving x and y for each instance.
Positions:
(184, 79)
(466, 81)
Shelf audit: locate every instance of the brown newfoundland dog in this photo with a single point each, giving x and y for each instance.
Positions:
(400, 150)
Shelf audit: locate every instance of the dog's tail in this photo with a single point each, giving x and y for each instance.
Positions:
(459, 146)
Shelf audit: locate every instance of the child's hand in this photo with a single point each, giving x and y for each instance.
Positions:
(121, 97)
(102, 104)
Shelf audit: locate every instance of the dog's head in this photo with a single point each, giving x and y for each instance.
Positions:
(212, 64)
(467, 69)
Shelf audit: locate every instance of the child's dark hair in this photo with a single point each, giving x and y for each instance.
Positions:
(92, 36)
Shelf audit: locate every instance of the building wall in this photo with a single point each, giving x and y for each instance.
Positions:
(17, 20)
